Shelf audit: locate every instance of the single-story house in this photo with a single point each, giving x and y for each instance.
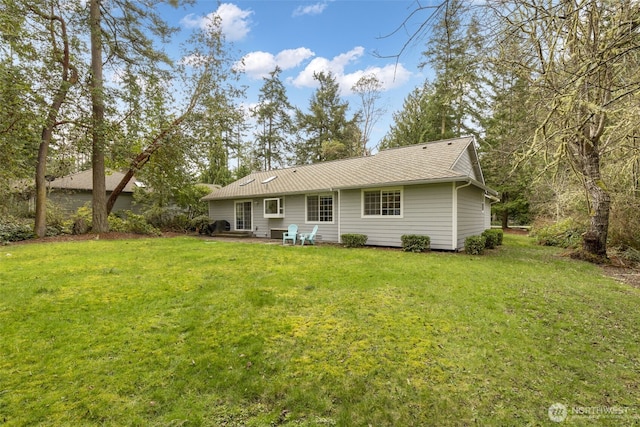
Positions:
(73, 191)
(435, 189)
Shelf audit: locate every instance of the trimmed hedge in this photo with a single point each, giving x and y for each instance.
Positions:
(474, 245)
(354, 240)
(500, 235)
(415, 243)
(493, 238)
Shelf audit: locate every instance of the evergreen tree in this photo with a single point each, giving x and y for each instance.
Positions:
(204, 131)
(417, 122)
(273, 116)
(503, 145)
(20, 107)
(122, 32)
(325, 132)
(218, 135)
(34, 102)
(453, 54)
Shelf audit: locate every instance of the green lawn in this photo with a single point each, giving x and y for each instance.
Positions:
(186, 332)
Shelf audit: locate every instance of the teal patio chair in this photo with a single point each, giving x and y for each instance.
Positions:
(290, 234)
(309, 237)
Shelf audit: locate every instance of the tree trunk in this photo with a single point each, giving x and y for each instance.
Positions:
(69, 77)
(40, 227)
(504, 214)
(142, 158)
(99, 202)
(504, 219)
(595, 239)
(118, 190)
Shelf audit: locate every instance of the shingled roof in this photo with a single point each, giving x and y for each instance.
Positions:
(84, 181)
(414, 164)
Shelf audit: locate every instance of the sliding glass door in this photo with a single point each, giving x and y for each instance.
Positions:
(243, 216)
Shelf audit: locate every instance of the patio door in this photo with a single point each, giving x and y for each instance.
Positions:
(243, 215)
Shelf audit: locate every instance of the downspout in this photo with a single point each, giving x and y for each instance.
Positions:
(339, 221)
(454, 225)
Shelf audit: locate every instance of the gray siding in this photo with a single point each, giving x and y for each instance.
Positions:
(471, 218)
(70, 201)
(294, 213)
(222, 209)
(426, 211)
(465, 165)
(487, 213)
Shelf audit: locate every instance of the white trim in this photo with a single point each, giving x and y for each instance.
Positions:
(333, 208)
(339, 219)
(235, 214)
(381, 189)
(280, 208)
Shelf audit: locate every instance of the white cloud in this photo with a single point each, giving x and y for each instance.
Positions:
(259, 64)
(235, 23)
(313, 9)
(192, 21)
(391, 75)
(335, 66)
(290, 58)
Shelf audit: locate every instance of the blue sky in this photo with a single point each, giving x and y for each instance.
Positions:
(303, 37)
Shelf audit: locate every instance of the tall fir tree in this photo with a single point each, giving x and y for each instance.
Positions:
(503, 144)
(453, 53)
(417, 122)
(273, 116)
(325, 133)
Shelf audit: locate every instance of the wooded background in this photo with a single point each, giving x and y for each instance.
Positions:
(549, 88)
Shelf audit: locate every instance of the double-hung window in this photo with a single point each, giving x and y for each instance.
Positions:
(274, 208)
(320, 208)
(383, 202)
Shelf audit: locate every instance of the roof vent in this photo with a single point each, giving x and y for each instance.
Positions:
(268, 180)
(247, 182)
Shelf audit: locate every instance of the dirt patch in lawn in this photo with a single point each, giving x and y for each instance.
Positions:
(622, 273)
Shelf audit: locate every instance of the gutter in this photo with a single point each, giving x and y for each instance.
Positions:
(454, 179)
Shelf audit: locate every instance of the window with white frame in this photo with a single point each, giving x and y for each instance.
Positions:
(385, 202)
(320, 208)
(274, 207)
